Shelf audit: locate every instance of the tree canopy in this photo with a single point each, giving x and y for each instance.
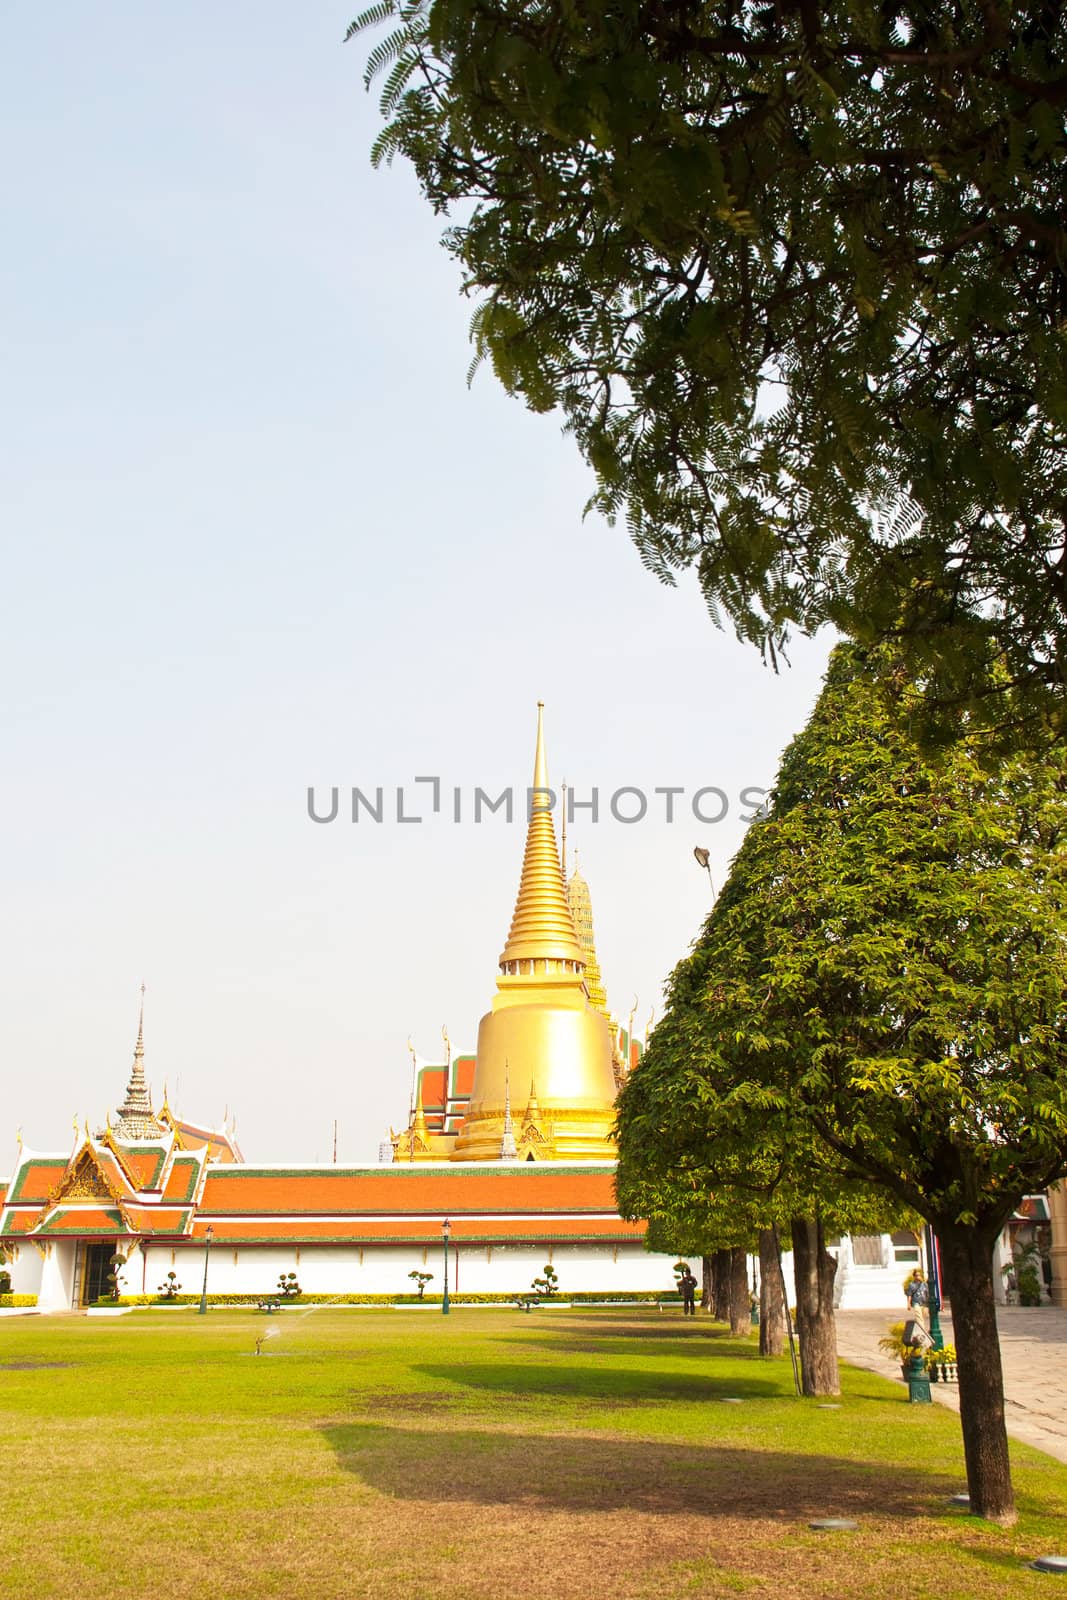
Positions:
(886, 972)
(795, 274)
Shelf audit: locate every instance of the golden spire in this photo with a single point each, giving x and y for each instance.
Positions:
(508, 1151)
(581, 905)
(542, 927)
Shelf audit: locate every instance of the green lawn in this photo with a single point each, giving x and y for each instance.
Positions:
(397, 1453)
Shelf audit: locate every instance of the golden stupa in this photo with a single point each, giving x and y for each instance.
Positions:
(542, 1028)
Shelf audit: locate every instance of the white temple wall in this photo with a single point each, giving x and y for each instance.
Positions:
(383, 1269)
(57, 1276)
(24, 1264)
(503, 1268)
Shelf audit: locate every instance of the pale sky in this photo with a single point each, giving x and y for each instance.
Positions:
(259, 535)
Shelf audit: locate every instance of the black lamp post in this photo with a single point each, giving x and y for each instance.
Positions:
(446, 1234)
(933, 1287)
(208, 1236)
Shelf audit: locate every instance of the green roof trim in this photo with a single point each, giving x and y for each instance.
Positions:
(400, 1170)
(55, 1163)
(55, 1223)
(538, 1240)
(160, 1152)
(193, 1166)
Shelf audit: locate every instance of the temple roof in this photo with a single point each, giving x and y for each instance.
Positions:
(89, 1196)
(450, 1189)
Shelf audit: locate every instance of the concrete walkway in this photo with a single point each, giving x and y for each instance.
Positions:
(1033, 1349)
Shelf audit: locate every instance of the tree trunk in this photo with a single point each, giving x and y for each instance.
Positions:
(771, 1303)
(720, 1285)
(967, 1257)
(706, 1283)
(814, 1269)
(740, 1320)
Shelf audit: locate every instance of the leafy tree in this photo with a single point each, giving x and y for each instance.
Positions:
(886, 968)
(288, 1285)
(421, 1280)
(701, 1161)
(795, 276)
(170, 1289)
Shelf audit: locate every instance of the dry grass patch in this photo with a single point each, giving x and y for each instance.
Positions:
(582, 1454)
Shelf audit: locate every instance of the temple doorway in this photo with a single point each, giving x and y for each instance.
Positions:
(91, 1267)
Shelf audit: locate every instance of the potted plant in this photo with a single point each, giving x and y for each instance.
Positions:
(941, 1364)
(1028, 1278)
(894, 1347)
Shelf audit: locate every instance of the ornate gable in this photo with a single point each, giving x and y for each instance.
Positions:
(84, 1179)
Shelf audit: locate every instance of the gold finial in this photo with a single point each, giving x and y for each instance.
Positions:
(563, 833)
(541, 927)
(648, 1025)
(508, 1147)
(414, 1070)
(18, 1137)
(138, 1048)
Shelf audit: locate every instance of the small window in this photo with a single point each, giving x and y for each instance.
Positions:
(867, 1249)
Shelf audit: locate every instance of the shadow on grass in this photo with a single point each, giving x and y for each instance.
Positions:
(574, 1473)
(707, 1345)
(619, 1387)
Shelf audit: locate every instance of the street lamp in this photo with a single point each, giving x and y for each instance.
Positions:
(208, 1236)
(446, 1234)
(933, 1288)
(703, 859)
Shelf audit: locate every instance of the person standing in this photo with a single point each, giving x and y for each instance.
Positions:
(688, 1285)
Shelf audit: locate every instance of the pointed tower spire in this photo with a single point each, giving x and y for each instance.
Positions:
(135, 1117)
(581, 905)
(542, 928)
(508, 1150)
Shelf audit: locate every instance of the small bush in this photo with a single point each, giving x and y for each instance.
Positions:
(637, 1297)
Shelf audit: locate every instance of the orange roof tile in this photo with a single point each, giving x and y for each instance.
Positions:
(84, 1220)
(36, 1179)
(158, 1219)
(463, 1075)
(381, 1230)
(20, 1221)
(145, 1162)
(181, 1179)
(449, 1190)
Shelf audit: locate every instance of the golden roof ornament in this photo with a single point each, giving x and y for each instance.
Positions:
(508, 1150)
(542, 928)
